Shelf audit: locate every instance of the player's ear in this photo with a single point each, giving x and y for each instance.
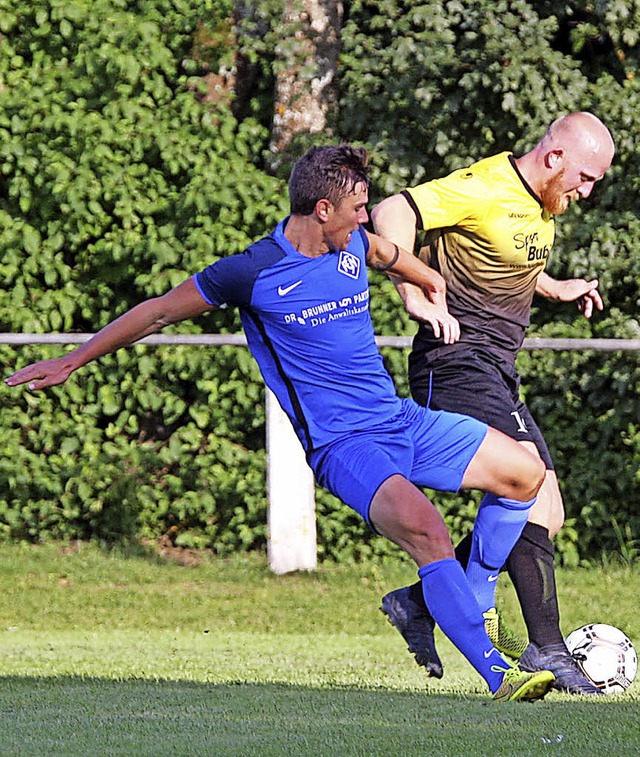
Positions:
(554, 158)
(323, 209)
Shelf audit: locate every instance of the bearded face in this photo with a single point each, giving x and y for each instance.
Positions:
(554, 196)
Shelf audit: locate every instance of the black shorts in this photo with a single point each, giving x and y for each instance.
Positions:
(482, 385)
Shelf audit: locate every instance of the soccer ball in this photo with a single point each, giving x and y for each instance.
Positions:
(605, 656)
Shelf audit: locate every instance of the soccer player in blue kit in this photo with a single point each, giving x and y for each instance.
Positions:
(303, 297)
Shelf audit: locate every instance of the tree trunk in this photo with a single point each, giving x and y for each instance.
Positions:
(306, 74)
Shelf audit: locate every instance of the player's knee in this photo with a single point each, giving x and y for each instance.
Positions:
(532, 477)
(556, 520)
(554, 504)
(428, 544)
(432, 534)
(415, 526)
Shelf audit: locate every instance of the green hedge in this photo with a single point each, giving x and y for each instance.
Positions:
(118, 181)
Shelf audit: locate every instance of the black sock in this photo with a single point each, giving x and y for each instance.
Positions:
(530, 567)
(416, 593)
(463, 550)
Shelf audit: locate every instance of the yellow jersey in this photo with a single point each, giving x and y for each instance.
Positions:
(489, 236)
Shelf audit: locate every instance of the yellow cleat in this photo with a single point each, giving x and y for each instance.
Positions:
(502, 637)
(519, 685)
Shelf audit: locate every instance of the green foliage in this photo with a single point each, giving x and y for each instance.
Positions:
(119, 180)
(424, 82)
(433, 86)
(588, 404)
(132, 446)
(117, 184)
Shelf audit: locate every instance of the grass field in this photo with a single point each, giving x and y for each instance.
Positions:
(108, 653)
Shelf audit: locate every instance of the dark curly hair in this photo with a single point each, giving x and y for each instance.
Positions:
(329, 172)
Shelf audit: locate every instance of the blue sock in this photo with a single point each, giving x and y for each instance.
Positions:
(455, 609)
(497, 528)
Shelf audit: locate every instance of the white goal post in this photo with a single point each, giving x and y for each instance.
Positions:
(291, 514)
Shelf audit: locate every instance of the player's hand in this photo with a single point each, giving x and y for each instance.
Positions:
(43, 374)
(434, 311)
(584, 292)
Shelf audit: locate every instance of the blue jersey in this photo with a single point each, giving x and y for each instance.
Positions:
(308, 325)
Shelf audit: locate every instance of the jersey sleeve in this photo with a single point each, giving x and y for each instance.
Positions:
(225, 282)
(459, 199)
(231, 281)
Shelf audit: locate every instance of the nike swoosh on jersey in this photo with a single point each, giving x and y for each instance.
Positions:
(493, 578)
(285, 290)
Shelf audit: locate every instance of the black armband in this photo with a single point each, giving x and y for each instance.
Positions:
(393, 261)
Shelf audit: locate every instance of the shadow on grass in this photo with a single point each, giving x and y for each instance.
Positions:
(160, 551)
(91, 716)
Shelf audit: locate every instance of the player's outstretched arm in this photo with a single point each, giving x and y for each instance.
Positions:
(402, 265)
(389, 257)
(570, 290)
(395, 220)
(146, 318)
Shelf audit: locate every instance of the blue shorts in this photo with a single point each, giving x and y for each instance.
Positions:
(431, 448)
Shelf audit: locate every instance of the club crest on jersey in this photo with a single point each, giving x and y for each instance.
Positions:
(349, 264)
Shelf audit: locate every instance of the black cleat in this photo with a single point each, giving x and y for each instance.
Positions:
(558, 659)
(415, 624)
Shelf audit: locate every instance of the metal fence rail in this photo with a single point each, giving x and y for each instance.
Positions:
(290, 492)
(216, 340)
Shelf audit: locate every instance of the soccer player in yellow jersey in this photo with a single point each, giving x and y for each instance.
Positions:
(488, 230)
